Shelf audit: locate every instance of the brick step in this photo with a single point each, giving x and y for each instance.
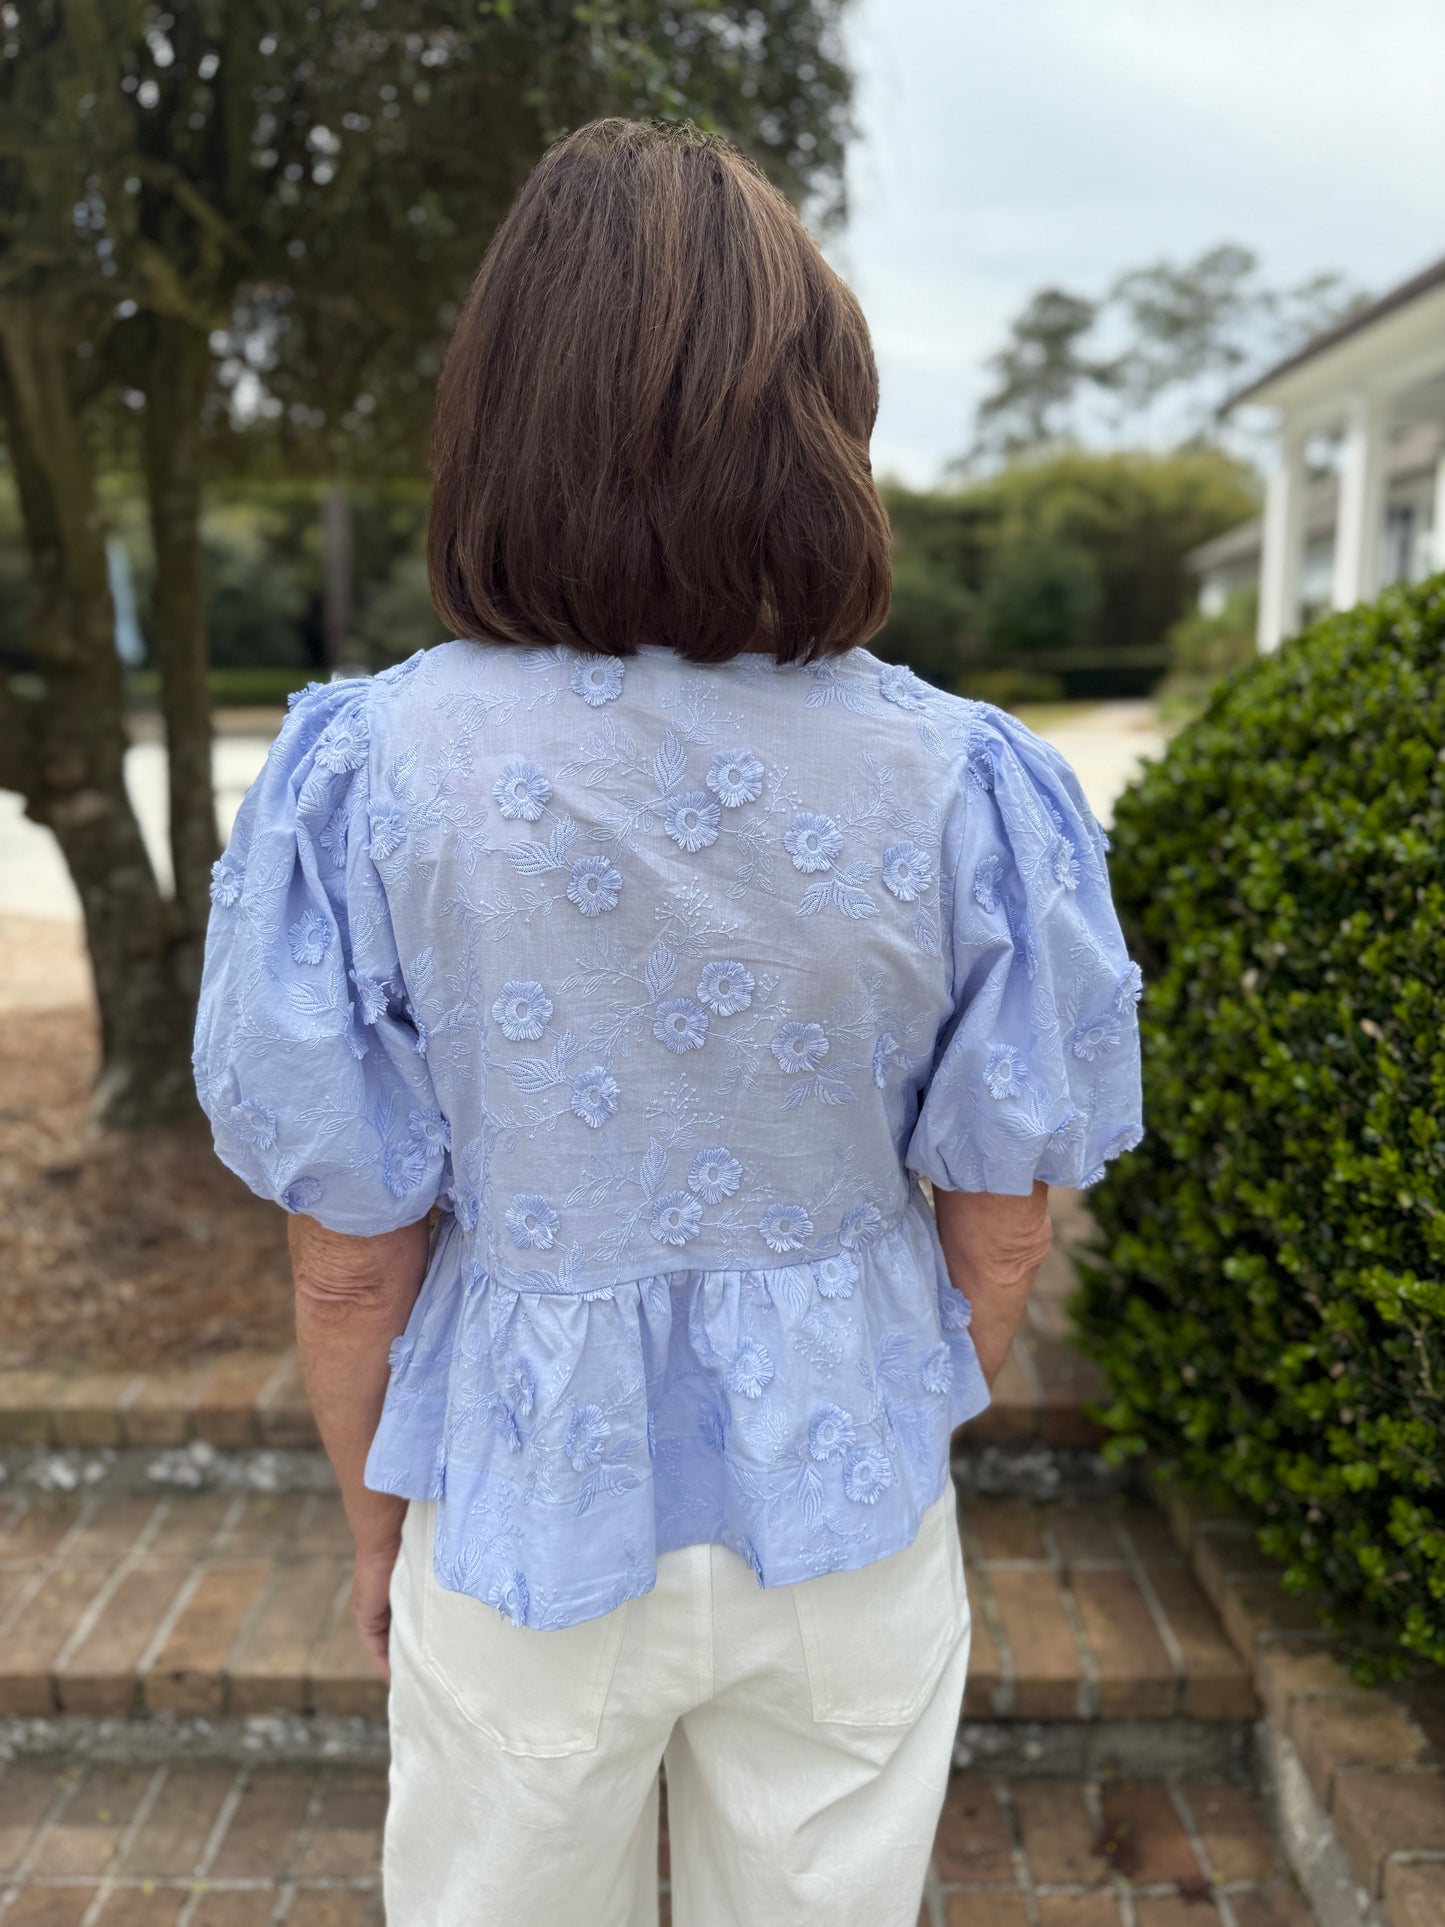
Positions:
(227, 1606)
(130, 1845)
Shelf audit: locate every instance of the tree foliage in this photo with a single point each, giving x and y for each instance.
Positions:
(307, 190)
(1270, 1302)
(1167, 339)
(1078, 551)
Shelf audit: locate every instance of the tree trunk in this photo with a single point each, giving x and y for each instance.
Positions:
(175, 387)
(70, 766)
(336, 551)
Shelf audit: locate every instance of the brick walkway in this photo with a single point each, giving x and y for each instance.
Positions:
(218, 1604)
(218, 1846)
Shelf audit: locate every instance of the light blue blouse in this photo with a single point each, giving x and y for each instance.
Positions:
(666, 983)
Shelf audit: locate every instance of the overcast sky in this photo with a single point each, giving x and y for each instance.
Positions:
(1008, 146)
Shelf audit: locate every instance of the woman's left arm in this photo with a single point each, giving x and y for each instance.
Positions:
(353, 1297)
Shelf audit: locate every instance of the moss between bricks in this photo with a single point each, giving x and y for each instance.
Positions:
(1269, 1305)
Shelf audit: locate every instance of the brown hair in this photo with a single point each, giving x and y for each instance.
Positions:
(653, 420)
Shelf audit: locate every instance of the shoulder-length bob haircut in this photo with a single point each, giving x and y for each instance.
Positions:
(653, 420)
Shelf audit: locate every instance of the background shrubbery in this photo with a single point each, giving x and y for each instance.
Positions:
(1271, 1308)
(1064, 571)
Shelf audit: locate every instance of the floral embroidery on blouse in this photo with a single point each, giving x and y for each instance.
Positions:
(666, 984)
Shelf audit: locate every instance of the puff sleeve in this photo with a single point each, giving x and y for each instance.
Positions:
(310, 1056)
(1036, 1071)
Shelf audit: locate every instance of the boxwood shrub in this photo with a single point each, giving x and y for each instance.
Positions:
(1268, 1299)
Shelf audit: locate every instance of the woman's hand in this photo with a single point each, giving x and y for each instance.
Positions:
(353, 1297)
(371, 1602)
(993, 1245)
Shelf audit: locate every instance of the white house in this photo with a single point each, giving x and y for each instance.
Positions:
(1376, 385)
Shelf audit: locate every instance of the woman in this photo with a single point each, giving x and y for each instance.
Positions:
(595, 990)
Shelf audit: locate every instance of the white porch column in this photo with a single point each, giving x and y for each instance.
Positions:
(1283, 549)
(1437, 532)
(1362, 504)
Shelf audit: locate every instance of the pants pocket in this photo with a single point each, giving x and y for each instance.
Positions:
(877, 1639)
(535, 1693)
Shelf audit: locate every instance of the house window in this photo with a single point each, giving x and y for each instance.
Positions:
(1400, 542)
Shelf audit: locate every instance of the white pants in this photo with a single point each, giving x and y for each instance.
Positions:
(807, 1732)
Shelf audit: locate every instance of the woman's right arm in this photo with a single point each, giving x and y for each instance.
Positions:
(994, 1246)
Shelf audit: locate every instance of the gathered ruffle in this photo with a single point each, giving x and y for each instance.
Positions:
(799, 1415)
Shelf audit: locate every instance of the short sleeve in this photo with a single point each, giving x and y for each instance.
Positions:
(310, 1057)
(1036, 1072)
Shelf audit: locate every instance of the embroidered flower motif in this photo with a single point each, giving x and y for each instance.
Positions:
(692, 820)
(519, 1388)
(898, 684)
(1066, 1140)
(399, 1355)
(751, 1370)
(867, 1475)
(388, 833)
(431, 1131)
(735, 777)
(523, 1010)
(1004, 1072)
(986, 880)
(955, 1312)
(404, 1166)
(594, 1096)
(715, 1174)
(812, 841)
(505, 1420)
(935, 1373)
(785, 1227)
(532, 1222)
(302, 1194)
(343, 746)
(680, 1024)
(830, 1434)
(333, 838)
(372, 996)
(982, 768)
(310, 937)
(1130, 989)
(226, 881)
(521, 791)
(1094, 1037)
(712, 1428)
(676, 1217)
(859, 1226)
(835, 1277)
(726, 988)
(885, 1048)
(509, 1594)
(907, 872)
(587, 1432)
(800, 1047)
(595, 885)
(255, 1123)
(1065, 864)
(597, 680)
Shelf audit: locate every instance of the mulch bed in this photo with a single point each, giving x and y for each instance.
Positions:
(120, 1249)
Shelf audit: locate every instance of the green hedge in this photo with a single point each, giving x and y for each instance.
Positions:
(255, 686)
(1270, 1302)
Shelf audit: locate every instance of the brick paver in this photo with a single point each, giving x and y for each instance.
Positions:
(210, 1845)
(208, 1604)
(1087, 1609)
